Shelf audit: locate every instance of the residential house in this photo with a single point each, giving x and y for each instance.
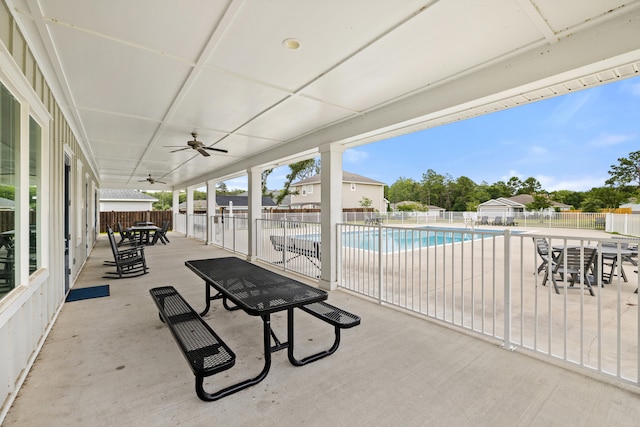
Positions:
(306, 193)
(635, 207)
(115, 200)
(237, 203)
(513, 205)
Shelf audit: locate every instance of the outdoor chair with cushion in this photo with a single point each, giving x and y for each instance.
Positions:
(497, 220)
(484, 220)
(510, 221)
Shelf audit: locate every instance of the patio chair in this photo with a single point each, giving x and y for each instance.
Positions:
(126, 237)
(484, 220)
(128, 262)
(497, 220)
(161, 234)
(572, 267)
(542, 247)
(510, 221)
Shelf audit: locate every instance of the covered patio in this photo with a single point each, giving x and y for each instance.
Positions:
(99, 95)
(110, 361)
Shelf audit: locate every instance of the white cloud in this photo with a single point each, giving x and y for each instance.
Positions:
(577, 183)
(511, 173)
(607, 139)
(537, 150)
(237, 183)
(355, 156)
(635, 89)
(568, 108)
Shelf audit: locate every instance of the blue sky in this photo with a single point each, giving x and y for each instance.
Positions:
(567, 143)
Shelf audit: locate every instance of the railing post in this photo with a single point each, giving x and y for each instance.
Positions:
(379, 264)
(507, 291)
(284, 249)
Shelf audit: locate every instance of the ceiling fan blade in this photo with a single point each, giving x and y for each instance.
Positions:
(181, 149)
(203, 152)
(215, 149)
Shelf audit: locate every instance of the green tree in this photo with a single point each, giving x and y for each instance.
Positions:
(607, 197)
(530, 186)
(432, 188)
(626, 172)
(165, 200)
(499, 189)
(568, 197)
(408, 207)
(404, 189)
(365, 202)
(297, 171)
(463, 190)
(539, 202)
(591, 204)
(222, 188)
(514, 184)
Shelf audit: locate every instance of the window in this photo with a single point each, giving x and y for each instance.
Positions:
(9, 143)
(310, 189)
(35, 199)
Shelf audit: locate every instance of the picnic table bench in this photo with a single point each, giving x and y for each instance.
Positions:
(309, 249)
(206, 353)
(335, 316)
(260, 292)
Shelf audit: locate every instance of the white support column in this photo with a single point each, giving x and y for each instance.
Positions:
(255, 208)
(331, 211)
(211, 211)
(189, 211)
(175, 208)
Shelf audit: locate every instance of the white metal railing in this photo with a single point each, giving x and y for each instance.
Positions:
(547, 219)
(230, 232)
(481, 279)
(198, 226)
(291, 245)
(180, 223)
(488, 282)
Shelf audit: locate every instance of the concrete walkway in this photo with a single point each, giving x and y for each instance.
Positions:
(111, 362)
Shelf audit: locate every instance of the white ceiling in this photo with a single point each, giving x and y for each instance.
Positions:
(135, 76)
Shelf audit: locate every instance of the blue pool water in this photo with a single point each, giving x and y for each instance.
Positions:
(396, 239)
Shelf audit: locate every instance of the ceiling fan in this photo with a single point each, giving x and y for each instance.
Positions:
(151, 180)
(198, 146)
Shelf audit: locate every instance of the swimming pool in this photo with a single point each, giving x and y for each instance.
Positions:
(394, 239)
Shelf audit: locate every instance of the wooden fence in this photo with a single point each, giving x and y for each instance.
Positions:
(128, 218)
(8, 218)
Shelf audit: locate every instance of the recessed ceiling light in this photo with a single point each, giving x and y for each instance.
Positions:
(292, 44)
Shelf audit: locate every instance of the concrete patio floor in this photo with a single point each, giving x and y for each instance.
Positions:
(110, 361)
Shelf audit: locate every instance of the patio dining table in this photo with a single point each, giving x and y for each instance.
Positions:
(143, 232)
(257, 292)
(607, 251)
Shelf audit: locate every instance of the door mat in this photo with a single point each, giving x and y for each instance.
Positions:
(88, 293)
